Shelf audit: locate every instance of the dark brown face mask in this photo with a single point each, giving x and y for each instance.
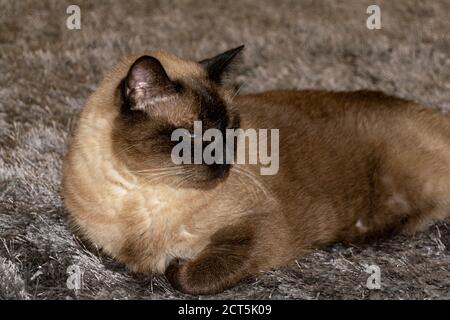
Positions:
(153, 105)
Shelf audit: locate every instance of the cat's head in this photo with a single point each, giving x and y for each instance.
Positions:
(161, 94)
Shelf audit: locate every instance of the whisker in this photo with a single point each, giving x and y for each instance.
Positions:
(124, 150)
(160, 170)
(184, 180)
(245, 173)
(237, 91)
(160, 176)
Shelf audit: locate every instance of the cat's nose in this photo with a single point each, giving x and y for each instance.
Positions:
(219, 170)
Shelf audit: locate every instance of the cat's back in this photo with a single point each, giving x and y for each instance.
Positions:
(323, 105)
(331, 142)
(349, 115)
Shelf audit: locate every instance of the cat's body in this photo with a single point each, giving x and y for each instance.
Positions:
(352, 166)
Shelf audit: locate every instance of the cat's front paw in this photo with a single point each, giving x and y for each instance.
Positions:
(173, 274)
(191, 278)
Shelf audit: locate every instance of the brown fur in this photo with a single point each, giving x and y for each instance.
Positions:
(352, 166)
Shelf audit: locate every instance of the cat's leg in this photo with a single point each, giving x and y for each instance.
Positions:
(424, 220)
(431, 169)
(222, 264)
(413, 196)
(259, 242)
(403, 197)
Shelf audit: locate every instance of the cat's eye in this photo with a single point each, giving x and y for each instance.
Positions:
(192, 135)
(189, 134)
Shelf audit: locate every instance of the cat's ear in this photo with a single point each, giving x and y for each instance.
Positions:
(216, 66)
(147, 83)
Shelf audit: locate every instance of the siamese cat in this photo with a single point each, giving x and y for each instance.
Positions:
(352, 166)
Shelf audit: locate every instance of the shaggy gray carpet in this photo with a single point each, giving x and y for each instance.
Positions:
(47, 72)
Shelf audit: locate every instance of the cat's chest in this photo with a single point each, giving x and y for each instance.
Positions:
(158, 207)
(120, 212)
(123, 194)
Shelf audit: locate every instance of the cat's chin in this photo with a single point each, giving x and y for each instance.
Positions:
(208, 177)
(201, 183)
